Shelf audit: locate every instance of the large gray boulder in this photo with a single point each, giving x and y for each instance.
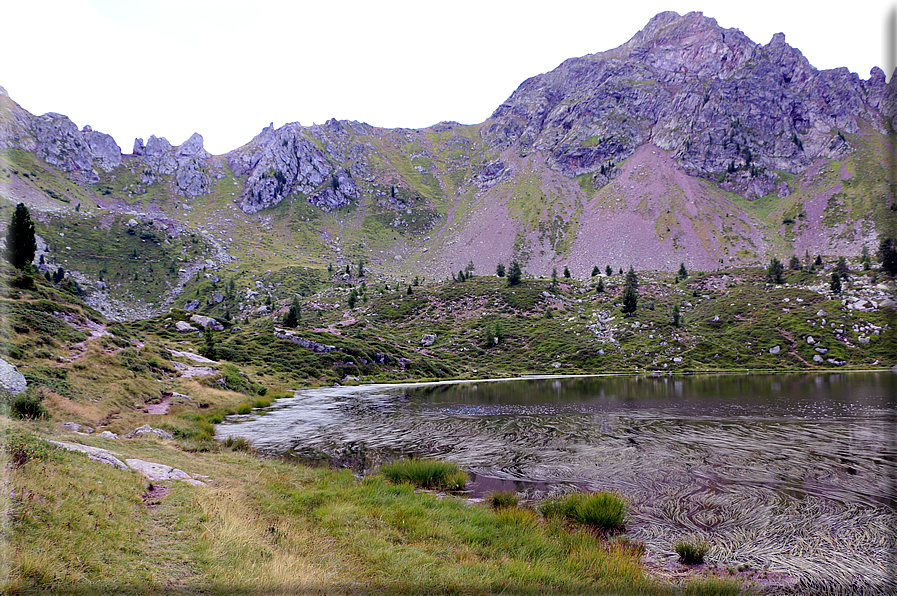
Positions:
(207, 322)
(11, 379)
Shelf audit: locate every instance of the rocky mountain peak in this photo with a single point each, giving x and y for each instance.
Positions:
(724, 105)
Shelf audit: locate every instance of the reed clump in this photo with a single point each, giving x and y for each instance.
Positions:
(603, 510)
(502, 499)
(426, 473)
(691, 551)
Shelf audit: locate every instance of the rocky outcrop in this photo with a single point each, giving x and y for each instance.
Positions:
(723, 104)
(278, 163)
(59, 143)
(189, 164)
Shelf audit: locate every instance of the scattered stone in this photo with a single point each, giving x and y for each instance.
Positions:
(775, 350)
(157, 472)
(207, 322)
(11, 379)
(350, 378)
(556, 364)
(821, 313)
(71, 427)
(95, 453)
(810, 340)
(146, 429)
(305, 343)
(822, 350)
(863, 339)
(108, 434)
(184, 327)
(836, 362)
(428, 339)
(191, 305)
(677, 359)
(817, 358)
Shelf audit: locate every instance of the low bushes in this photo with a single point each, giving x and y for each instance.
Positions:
(426, 473)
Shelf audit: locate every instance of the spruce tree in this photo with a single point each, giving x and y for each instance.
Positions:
(500, 269)
(595, 271)
(294, 314)
(566, 272)
(630, 294)
(514, 273)
(608, 270)
(683, 272)
(20, 243)
(836, 283)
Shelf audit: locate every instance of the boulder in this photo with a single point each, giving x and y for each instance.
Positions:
(191, 305)
(146, 429)
(184, 327)
(817, 358)
(810, 340)
(11, 379)
(428, 339)
(775, 350)
(207, 322)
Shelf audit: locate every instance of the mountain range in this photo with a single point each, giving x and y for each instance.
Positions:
(690, 143)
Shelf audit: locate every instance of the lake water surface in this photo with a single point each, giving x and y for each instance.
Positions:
(793, 472)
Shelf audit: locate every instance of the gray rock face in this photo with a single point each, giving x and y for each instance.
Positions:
(11, 379)
(62, 145)
(724, 105)
(189, 164)
(281, 162)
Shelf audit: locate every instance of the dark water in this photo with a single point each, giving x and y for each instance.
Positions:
(793, 472)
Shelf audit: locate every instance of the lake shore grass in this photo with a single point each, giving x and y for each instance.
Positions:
(267, 526)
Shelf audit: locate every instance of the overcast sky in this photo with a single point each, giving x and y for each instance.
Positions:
(227, 68)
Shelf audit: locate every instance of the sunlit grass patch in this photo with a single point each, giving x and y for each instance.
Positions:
(426, 473)
(602, 510)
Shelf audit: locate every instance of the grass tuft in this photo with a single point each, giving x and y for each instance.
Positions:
(602, 510)
(502, 499)
(691, 552)
(426, 473)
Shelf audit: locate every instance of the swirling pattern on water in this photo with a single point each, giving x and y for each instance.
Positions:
(791, 472)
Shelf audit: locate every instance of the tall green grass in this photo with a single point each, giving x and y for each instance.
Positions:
(602, 510)
(426, 473)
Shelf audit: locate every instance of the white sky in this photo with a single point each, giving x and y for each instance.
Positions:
(226, 68)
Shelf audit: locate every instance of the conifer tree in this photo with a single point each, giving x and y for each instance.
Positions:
(595, 271)
(514, 274)
(294, 314)
(500, 269)
(566, 272)
(20, 243)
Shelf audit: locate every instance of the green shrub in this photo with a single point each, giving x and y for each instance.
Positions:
(24, 447)
(426, 473)
(25, 406)
(244, 407)
(502, 499)
(602, 510)
(691, 552)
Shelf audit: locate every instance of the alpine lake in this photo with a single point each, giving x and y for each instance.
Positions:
(795, 473)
